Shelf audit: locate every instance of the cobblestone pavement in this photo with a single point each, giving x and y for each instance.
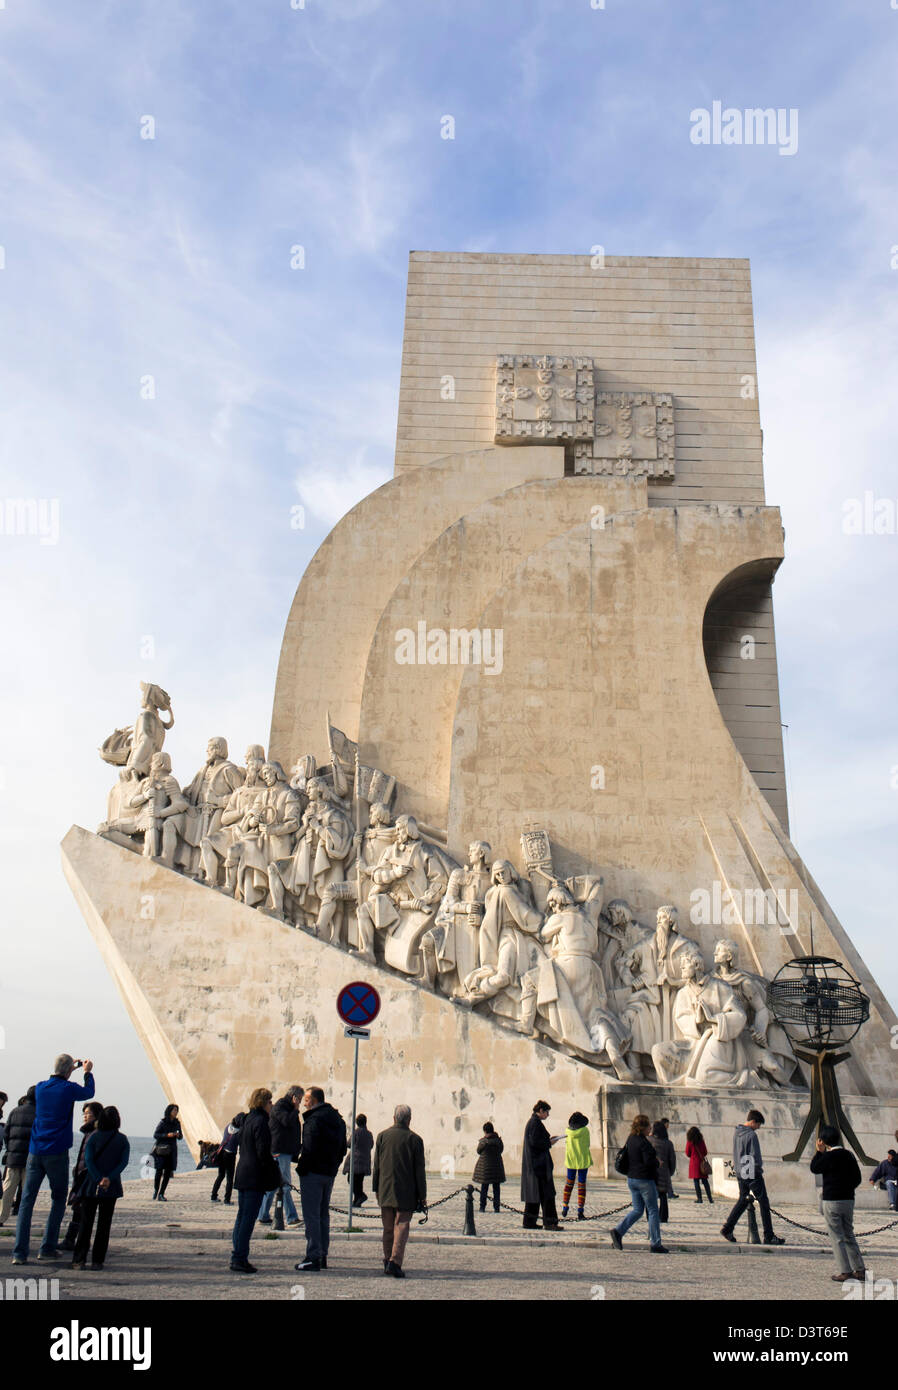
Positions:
(180, 1250)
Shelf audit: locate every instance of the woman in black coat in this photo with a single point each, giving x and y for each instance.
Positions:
(489, 1169)
(537, 1186)
(641, 1168)
(165, 1150)
(106, 1155)
(257, 1173)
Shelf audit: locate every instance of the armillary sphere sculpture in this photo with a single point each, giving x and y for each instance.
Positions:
(821, 1006)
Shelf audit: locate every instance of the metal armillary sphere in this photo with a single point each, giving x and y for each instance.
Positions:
(821, 1006)
(818, 1002)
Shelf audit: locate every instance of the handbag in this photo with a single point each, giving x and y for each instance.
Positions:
(622, 1161)
(706, 1168)
(161, 1149)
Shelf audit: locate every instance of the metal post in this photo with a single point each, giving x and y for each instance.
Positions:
(753, 1237)
(470, 1228)
(279, 1210)
(355, 1091)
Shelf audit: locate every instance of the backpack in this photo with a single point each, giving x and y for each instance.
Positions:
(622, 1161)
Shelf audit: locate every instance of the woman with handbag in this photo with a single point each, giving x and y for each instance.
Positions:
(106, 1155)
(165, 1150)
(699, 1167)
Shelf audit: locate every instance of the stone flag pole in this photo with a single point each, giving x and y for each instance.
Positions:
(525, 757)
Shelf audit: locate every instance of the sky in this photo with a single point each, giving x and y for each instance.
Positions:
(172, 385)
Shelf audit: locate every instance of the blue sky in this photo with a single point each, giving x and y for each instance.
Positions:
(129, 257)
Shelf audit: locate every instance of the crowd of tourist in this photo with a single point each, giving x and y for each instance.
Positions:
(302, 1136)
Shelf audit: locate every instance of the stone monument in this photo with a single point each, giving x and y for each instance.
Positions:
(528, 696)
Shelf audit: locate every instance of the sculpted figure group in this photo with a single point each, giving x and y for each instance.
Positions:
(544, 955)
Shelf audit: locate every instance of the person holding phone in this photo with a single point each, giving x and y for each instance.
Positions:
(48, 1154)
(537, 1184)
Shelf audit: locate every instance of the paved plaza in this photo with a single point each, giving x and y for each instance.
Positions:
(180, 1250)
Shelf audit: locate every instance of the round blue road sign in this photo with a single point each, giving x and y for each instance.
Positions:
(358, 1003)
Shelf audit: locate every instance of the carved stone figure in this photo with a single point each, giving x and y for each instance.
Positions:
(133, 749)
(369, 846)
(567, 985)
(712, 1046)
(219, 847)
(323, 842)
(207, 796)
(509, 942)
(265, 834)
(772, 1050)
(409, 882)
(161, 799)
(451, 949)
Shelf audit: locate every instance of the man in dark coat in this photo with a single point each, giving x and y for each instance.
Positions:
(400, 1185)
(17, 1137)
(323, 1147)
(257, 1173)
(537, 1185)
(286, 1142)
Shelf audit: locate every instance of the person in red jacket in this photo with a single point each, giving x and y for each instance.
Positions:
(699, 1167)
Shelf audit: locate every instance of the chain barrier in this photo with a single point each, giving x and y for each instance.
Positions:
(859, 1235)
(598, 1216)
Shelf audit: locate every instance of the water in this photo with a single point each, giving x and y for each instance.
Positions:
(140, 1164)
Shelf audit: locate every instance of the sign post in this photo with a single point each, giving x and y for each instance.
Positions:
(357, 1004)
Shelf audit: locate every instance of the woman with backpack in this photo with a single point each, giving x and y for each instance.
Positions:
(226, 1158)
(667, 1166)
(699, 1167)
(165, 1150)
(489, 1170)
(106, 1155)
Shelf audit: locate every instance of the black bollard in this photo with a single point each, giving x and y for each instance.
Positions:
(470, 1228)
(753, 1237)
(279, 1211)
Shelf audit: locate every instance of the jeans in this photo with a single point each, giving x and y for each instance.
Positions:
(397, 1225)
(484, 1189)
(55, 1168)
(892, 1190)
(315, 1195)
(839, 1218)
(102, 1208)
(756, 1187)
(644, 1196)
(283, 1162)
(248, 1203)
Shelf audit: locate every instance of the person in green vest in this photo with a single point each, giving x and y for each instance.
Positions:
(578, 1161)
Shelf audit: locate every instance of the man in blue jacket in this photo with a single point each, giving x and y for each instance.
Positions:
(48, 1154)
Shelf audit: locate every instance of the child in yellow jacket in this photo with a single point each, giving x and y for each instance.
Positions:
(578, 1161)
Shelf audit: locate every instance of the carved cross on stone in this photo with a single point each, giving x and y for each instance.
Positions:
(554, 400)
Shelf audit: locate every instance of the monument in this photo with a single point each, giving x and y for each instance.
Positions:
(525, 768)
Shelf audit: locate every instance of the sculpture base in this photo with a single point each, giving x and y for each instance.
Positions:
(717, 1113)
